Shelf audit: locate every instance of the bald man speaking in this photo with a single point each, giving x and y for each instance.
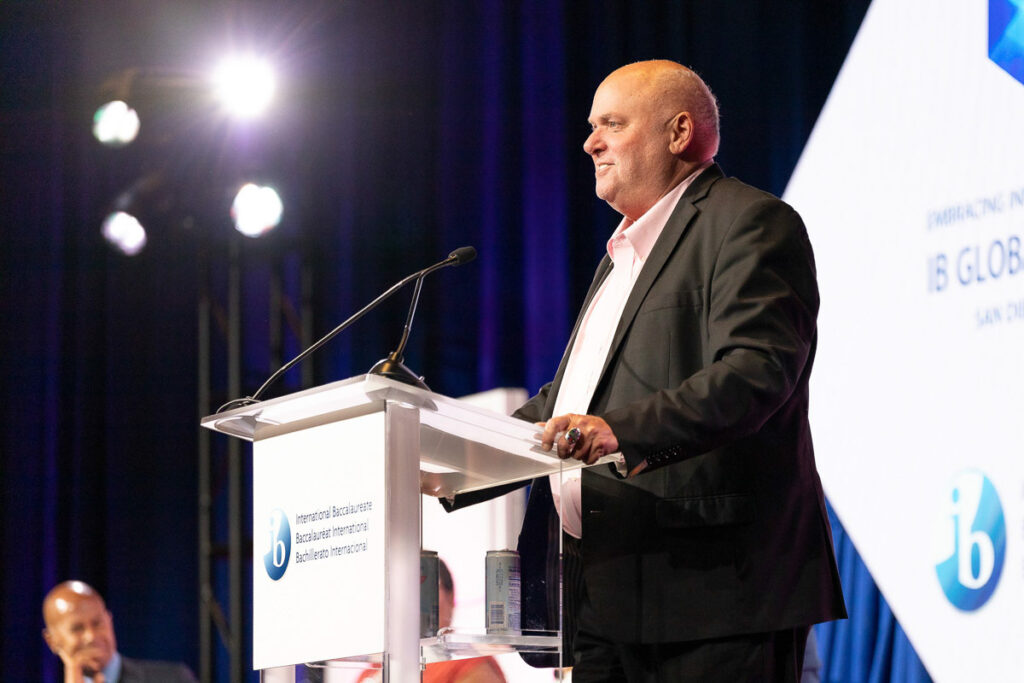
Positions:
(705, 553)
(80, 630)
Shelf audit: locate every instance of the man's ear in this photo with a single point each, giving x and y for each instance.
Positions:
(681, 132)
(48, 637)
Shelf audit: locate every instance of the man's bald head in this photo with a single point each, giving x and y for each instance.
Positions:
(64, 597)
(672, 88)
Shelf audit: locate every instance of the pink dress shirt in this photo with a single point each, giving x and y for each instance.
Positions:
(628, 248)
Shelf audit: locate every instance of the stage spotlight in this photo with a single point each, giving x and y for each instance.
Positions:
(256, 210)
(245, 85)
(124, 232)
(115, 124)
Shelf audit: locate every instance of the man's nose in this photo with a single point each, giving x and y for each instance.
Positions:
(593, 143)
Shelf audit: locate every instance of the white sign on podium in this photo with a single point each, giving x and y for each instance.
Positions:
(318, 560)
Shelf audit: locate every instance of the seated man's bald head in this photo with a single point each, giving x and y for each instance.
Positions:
(64, 596)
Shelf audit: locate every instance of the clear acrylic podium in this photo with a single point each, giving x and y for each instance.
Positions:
(338, 472)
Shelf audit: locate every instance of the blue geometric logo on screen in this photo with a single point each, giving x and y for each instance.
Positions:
(1006, 36)
(276, 558)
(974, 520)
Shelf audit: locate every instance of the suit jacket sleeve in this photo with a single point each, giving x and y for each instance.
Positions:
(533, 410)
(761, 299)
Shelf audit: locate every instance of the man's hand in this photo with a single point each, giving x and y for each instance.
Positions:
(79, 665)
(596, 438)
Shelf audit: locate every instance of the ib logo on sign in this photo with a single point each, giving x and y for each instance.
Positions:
(971, 541)
(275, 560)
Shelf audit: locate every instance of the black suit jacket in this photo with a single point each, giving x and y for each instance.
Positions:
(144, 671)
(707, 380)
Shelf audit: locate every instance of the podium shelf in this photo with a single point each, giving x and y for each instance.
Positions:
(457, 644)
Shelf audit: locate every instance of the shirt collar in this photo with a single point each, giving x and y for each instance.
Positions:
(644, 232)
(112, 671)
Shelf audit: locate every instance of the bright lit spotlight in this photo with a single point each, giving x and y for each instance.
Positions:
(256, 210)
(244, 85)
(115, 124)
(125, 232)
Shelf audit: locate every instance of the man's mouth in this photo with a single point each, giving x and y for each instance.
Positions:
(93, 652)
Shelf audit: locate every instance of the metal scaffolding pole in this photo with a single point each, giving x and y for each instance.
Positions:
(206, 596)
(222, 322)
(238, 666)
(229, 626)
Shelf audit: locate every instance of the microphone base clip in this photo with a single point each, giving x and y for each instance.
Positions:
(398, 371)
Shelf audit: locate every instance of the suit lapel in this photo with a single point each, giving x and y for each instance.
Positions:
(666, 245)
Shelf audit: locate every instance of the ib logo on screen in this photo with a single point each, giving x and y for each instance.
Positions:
(970, 541)
(275, 559)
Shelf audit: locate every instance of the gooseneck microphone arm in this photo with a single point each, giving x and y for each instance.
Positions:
(457, 257)
(396, 355)
(393, 366)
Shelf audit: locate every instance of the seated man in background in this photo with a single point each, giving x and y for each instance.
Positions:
(475, 670)
(80, 631)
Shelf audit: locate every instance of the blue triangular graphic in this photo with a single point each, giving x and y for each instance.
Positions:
(1006, 36)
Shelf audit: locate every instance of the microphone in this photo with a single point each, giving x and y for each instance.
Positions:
(461, 255)
(393, 367)
(456, 258)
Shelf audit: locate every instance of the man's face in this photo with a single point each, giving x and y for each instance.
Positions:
(81, 628)
(629, 144)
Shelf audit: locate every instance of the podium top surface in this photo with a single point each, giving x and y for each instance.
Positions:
(462, 447)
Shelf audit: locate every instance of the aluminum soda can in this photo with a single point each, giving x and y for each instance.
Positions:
(428, 594)
(502, 592)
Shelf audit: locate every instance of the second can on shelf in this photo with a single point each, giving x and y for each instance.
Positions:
(502, 596)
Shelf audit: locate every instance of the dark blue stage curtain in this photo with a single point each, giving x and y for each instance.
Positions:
(405, 130)
(870, 646)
